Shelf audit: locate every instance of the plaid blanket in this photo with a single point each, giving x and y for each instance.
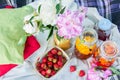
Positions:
(109, 9)
(15, 3)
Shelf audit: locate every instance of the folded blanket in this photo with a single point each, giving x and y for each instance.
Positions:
(31, 45)
(11, 30)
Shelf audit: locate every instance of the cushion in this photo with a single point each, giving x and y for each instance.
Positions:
(11, 30)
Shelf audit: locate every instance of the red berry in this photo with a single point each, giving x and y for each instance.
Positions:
(81, 73)
(50, 58)
(54, 51)
(47, 75)
(40, 69)
(59, 53)
(49, 54)
(56, 66)
(44, 60)
(48, 71)
(43, 72)
(49, 64)
(54, 60)
(53, 72)
(60, 58)
(60, 63)
(72, 68)
(43, 65)
(38, 65)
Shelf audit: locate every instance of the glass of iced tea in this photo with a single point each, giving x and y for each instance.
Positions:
(85, 44)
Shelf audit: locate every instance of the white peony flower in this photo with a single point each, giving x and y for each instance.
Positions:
(31, 28)
(48, 12)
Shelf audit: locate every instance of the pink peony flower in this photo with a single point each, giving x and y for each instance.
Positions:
(93, 75)
(98, 74)
(107, 73)
(70, 24)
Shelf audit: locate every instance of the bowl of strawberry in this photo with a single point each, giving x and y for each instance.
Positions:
(51, 63)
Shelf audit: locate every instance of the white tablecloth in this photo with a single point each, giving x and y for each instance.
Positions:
(27, 72)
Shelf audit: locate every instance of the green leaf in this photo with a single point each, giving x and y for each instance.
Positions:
(114, 70)
(31, 23)
(40, 25)
(31, 18)
(58, 8)
(56, 28)
(49, 26)
(82, 40)
(39, 9)
(22, 40)
(51, 32)
(58, 37)
(62, 11)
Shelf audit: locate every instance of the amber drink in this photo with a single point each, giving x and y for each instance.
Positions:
(106, 54)
(85, 45)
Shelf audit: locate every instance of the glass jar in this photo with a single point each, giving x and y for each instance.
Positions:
(62, 43)
(106, 54)
(85, 45)
(104, 29)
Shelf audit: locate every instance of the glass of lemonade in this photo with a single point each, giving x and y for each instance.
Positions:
(85, 44)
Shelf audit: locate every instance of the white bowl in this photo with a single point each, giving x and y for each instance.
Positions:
(59, 71)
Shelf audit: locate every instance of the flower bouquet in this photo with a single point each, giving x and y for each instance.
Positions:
(52, 15)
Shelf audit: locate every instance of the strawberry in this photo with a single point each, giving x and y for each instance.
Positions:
(81, 73)
(49, 64)
(54, 60)
(49, 54)
(38, 65)
(48, 71)
(72, 68)
(43, 65)
(60, 58)
(43, 72)
(60, 63)
(56, 66)
(53, 72)
(54, 51)
(59, 53)
(39, 70)
(44, 60)
(47, 75)
(50, 58)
